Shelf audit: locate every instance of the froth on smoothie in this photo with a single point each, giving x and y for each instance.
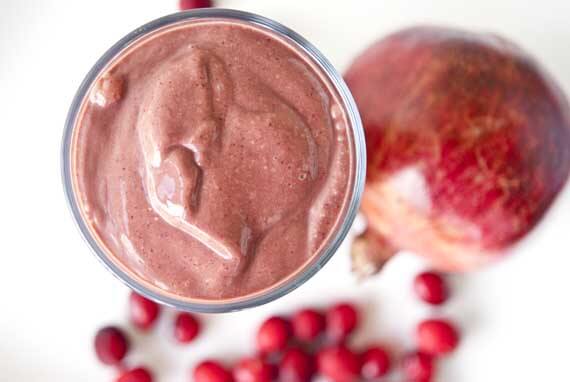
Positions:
(212, 160)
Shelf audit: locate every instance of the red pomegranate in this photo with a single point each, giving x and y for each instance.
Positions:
(468, 144)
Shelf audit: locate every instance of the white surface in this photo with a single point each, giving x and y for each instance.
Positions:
(515, 316)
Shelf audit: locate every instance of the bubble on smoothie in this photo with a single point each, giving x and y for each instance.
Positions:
(108, 90)
(336, 112)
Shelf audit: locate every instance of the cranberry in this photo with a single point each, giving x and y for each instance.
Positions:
(254, 370)
(296, 366)
(111, 345)
(211, 371)
(375, 363)
(339, 364)
(139, 374)
(273, 335)
(192, 4)
(308, 324)
(437, 336)
(418, 367)
(431, 287)
(341, 321)
(186, 327)
(143, 312)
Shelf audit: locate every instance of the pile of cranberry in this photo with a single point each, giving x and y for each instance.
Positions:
(296, 348)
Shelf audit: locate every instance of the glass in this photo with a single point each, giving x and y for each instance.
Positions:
(284, 286)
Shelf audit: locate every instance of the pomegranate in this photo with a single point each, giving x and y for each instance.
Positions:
(467, 141)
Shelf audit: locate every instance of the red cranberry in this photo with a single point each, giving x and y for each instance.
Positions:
(253, 370)
(308, 324)
(375, 363)
(341, 321)
(111, 345)
(192, 4)
(140, 374)
(296, 366)
(273, 335)
(339, 364)
(431, 287)
(418, 367)
(211, 371)
(186, 327)
(437, 336)
(143, 312)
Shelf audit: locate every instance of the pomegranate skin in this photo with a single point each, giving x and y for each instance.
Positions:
(467, 141)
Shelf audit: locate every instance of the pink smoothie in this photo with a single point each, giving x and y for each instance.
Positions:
(212, 160)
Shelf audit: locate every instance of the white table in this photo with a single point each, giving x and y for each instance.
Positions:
(515, 316)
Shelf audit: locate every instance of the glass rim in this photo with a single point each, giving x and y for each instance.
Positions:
(279, 289)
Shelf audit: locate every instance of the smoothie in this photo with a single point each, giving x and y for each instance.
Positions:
(212, 160)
